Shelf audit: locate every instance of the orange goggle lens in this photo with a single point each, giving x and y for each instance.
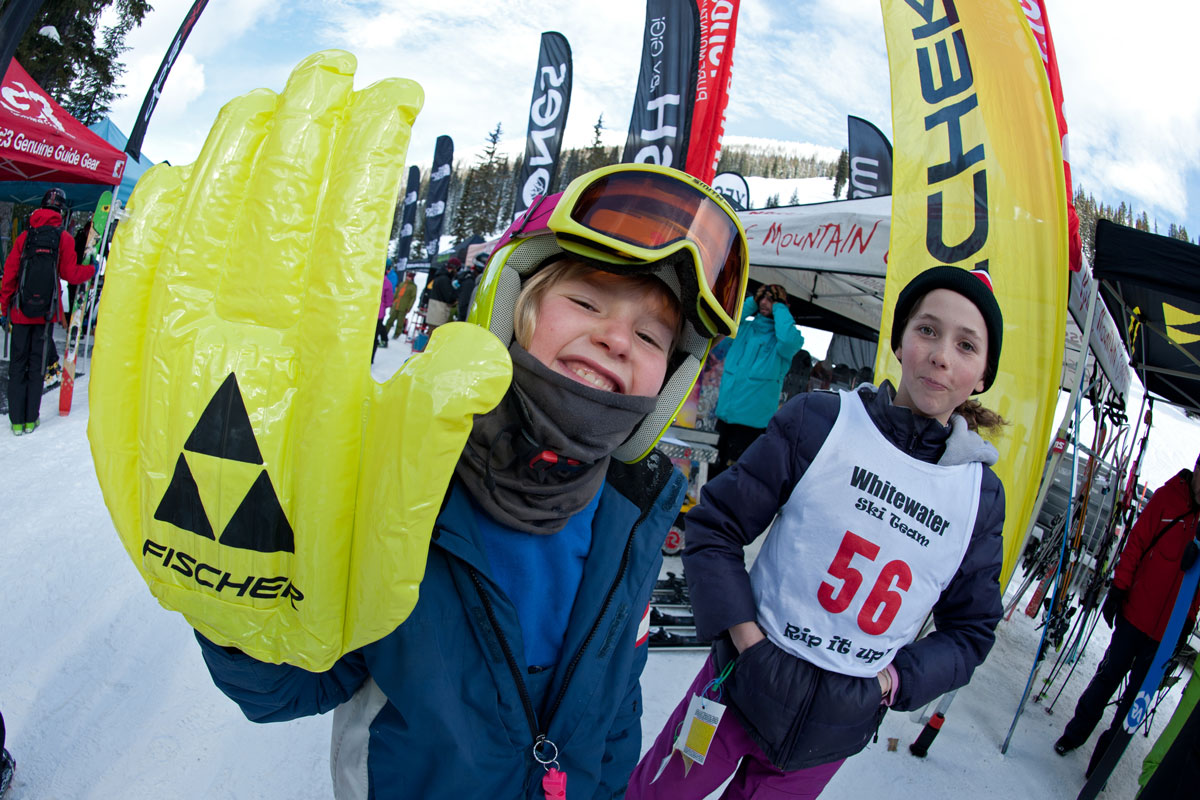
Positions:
(653, 211)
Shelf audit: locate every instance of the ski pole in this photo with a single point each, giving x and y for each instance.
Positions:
(920, 747)
(1050, 708)
(1061, 555)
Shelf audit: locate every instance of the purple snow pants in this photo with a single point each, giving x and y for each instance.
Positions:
(732, 752)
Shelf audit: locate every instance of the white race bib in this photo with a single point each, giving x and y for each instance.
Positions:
(863, 548)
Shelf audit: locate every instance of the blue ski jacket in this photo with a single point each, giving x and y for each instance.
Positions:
(757, 362)
(440, 707)
(800, 714)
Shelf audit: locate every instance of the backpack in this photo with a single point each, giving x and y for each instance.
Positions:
(37, 295)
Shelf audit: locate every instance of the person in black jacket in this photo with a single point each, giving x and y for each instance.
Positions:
(466, 287)
(884, 509)
(442, 296)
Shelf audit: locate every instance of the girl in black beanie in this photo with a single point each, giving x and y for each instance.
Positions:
(881, 507)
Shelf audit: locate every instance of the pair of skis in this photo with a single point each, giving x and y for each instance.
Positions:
(81, 310)
(672, 624)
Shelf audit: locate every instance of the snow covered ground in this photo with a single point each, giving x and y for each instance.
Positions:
(105, 695)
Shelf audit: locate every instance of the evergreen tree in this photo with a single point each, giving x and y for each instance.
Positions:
(795, 198)
(82, 72)
(465, 208)
(1085, 208)
(842, 175)
(1090, 210)
(570, 167)
(484, 191)
(773, 201)
(772, 161)
(597, 154)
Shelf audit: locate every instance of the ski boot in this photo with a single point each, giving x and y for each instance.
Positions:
(30, 427)
(1064, 745)
(663, 619)
(18, 429)
(665, 638)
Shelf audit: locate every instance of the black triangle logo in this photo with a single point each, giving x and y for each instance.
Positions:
(181, 505)
(259, 522)
(224, 428)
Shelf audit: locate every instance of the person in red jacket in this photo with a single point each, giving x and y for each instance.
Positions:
(1139, 603)
(27, 366)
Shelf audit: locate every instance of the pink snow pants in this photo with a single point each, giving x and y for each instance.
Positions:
(732, 752)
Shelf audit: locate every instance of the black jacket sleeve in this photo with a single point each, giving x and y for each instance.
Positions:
(965, 616)
(738, 505)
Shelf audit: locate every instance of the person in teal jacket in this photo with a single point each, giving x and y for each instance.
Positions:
(755, 367)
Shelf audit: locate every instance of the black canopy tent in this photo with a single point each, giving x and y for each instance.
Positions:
(1151, 285)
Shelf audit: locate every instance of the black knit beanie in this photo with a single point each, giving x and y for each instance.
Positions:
(976, 286)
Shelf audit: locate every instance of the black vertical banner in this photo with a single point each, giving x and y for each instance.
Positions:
(134, 145)
(408, 217)
(870, 160)
(14, 20)
(666, 90)
(435, 195)
(733, 187)
(547, 119)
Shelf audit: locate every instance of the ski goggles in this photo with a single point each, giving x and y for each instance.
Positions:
(645, 213)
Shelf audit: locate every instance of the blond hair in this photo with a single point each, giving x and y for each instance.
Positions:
(535, 288)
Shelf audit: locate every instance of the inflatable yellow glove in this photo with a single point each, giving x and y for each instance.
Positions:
(264, 485)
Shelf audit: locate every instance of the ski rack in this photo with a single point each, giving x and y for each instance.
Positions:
(1075, 401)
(1089, 598)
(1119, 515)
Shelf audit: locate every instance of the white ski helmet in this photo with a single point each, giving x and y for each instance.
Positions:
(639, 219)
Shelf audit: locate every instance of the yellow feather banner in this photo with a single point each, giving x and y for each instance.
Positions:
(978, 180)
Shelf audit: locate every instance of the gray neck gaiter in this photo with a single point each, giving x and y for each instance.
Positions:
(541, 455)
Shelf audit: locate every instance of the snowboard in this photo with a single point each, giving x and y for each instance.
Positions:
(75, 332)
(1145, 696)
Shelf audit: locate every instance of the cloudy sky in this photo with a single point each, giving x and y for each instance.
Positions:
(800, 67)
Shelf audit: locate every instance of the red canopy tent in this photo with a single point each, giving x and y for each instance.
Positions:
(41, 142)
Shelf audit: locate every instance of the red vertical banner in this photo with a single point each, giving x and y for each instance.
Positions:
(1039, 24)
(718, 28)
